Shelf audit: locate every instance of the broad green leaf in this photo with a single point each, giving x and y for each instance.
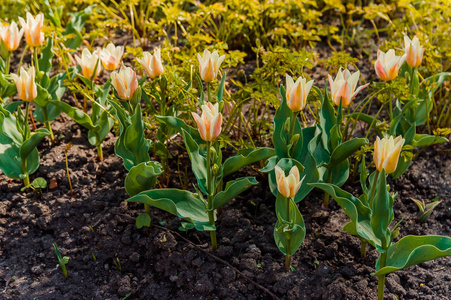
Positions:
(45, 61)
(289, 231)
(75, 26)
(233, 189)
(404, 161)
(359, 213)
(382, 210)
(281, 116)
(179, 124)
(412, 250)
(103, 126)
(221, 87)
(183, 204)
(43, 97)
(345, 150)
(39, 183)
(198, 162)
(77, 115)
(30, 144)
(421, 140)
(246, 157)
(131, 145)
(143, 220)
(142, 177)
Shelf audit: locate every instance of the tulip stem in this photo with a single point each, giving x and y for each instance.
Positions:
(210, 190)
(373, 189)
(47, 124)
(7, 63)
(27, 128)
(208, 92)
(287, 260)
(326, 194)
(363, 249)
(100, 152)
(381, 278)
(288, 250)
(293, 123)
(35, 56)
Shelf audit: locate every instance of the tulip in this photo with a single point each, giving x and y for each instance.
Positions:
(25, 84)
(125, 83)
(344, 87)
(89, 62)
(414, 51)
(289, 185)
(11, 36)
(209, 65)
(152, 63)
(387, 64)
(111, 56)
(297, 92)
(386, 153)
(210, 122)
(32, 29)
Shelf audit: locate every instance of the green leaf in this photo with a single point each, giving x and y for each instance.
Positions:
(425, 140)
(75, 26)
(288, 227)
(30, 144)
(43, 97)
(233, 189)
(221, 87)
(412, 250)
(131, 145)
(244, 158)
(382, 210)
(281, 116)
(45, 61)
(179, 124)
(142, 177)
(358, 212)
(77, 115)
(143, 220)
(198, 162)
(183, 204)
(39, 183)
(345, 150)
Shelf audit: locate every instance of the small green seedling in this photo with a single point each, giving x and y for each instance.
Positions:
(426, 209)
(117, 264)
(61, 260)
(38, 185)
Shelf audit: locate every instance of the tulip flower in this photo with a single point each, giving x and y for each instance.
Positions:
(210, 122)
(111, 56)
(11, 36)
(386, 153)
(209, 65)
(414, 51)
(387, 64)
(25, 84)
(344, 87)
(297, 92)
(125, 83)
(32, 29)
(152, 63)
(89, 62)
(289, 185)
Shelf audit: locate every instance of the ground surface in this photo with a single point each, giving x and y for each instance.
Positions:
(97, 228)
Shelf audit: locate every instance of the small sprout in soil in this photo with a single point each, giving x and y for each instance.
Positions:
(426, 209)
(126, 296)
(292, 269)
(92, 229)
(259, 265)
(93, 256)
(38, 184)
(61, 260)
(68, 146)
(143, 220)
(163, 223)
(117, 264)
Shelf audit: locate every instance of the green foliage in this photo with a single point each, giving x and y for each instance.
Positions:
(142, 177)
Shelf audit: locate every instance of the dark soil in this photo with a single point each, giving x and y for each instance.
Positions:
(97, 228)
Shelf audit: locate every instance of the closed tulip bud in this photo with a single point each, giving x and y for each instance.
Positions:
(89, 62)
(387, 64)
(111, 56)
(32, 29)
(125, 83)
(344, 87)
(414, 51)
(297, 92)
(11, 36)
(386, 153)
(209, 65)
(25, 84)
(289, 185)
(152, 63)
(209, 123)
